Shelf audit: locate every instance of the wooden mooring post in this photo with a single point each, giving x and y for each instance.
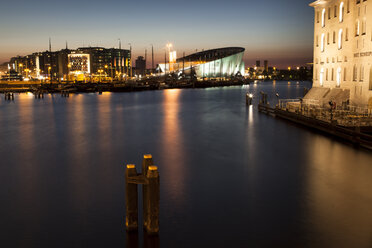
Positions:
(9, 96)
(65, 93)
(151, 195)
(248, 99)
(131, 196)
(39, 94)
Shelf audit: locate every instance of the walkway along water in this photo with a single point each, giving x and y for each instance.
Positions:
(351, 132)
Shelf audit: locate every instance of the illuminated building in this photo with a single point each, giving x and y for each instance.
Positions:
(113, 61)
(79, 63)
(222, 62)
(343, 51)
(85, 60)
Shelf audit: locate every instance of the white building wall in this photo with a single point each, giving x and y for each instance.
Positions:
(356, 51)
(227, 67)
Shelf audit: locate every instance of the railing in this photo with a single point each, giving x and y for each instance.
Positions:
(283, 102)
(346, 115)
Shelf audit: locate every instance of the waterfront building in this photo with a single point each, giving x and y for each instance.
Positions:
(58, 65)
(221, 62)
(114, 62)
(266, 66)
(78, 63)
(140, 66)
(343, 51)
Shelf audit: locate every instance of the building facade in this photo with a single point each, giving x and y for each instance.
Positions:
(343, 48)
(58, 65)
(216, 63)
(140, 66)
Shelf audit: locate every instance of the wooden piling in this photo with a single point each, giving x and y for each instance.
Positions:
(131, 197)
(152, 200)
(248, 99)
(131, 240)
(9, 96)
(150, 241)
(146, 162)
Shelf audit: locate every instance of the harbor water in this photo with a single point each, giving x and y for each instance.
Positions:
(229, 176)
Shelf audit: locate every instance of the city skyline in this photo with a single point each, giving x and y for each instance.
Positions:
(269, 30)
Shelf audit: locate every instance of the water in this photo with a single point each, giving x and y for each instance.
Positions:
(230, 176)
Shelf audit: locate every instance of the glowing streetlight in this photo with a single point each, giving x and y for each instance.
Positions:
(50, 76)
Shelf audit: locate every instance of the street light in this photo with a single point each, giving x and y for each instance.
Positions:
(100, 71)
(106, 66)
(50, 76)
(27, 70)
(248, 99)
(277, 97)
(21, 71)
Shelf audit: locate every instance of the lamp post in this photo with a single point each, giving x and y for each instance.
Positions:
(277, 97)
(20, 68)
(27, 70)
(9, 72)
(100, 71)
(50, 76)
(169, 46)
(106, 66)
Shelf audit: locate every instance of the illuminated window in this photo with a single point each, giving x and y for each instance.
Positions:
(338, 79)
(322, 43)
(357, 28)
(323, 17)
(321, 77)
(341, 11)
(340, 39)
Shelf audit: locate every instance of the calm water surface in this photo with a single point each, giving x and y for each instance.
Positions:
(230, 177)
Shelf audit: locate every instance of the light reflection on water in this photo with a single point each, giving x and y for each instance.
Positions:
(226, 171)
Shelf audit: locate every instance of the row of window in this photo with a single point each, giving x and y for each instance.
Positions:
(337, 9)
(339, 60)
(358, 31)
(338, 75)
(340, 38)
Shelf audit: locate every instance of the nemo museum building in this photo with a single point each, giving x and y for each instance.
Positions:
(215, 63)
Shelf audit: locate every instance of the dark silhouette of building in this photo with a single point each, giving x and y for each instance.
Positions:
(266, 66)
(140, 66)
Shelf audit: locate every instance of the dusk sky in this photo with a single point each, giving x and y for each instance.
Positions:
(280, 31)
